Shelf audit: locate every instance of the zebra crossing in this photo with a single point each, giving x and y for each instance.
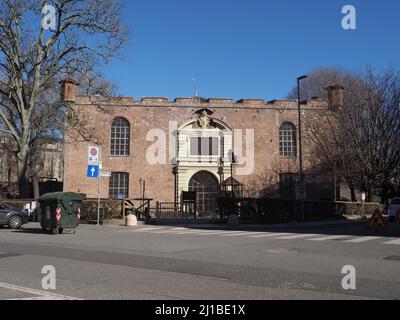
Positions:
(182, 231)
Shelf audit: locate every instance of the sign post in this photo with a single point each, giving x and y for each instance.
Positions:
(94, 167)
(300, 196)
(301, 192)
(99, 193)
(363, 199)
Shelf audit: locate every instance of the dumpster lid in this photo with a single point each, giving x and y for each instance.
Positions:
(60, 196)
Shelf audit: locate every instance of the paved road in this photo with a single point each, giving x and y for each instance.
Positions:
(152, 262)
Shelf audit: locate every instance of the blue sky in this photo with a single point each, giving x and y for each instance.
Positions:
(247, 49)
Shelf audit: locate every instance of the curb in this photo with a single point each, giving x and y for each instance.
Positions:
(264, 227)
(285, 226)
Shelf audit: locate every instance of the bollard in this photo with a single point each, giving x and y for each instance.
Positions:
(131, 221)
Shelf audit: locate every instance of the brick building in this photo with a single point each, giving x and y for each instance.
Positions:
(187, 144)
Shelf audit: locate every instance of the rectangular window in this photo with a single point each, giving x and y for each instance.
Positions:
(200, 146)
(119, 185)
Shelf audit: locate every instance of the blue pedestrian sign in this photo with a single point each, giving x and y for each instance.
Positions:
(93, 172)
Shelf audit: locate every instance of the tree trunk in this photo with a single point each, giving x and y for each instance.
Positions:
(338, 192)
(370, 194)
(353, 192)
(23, 178)
(36, 189)
(384, 194)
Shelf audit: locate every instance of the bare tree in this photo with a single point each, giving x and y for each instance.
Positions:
(34, 56)
(319, 79)
(372, 115)
(360, 142)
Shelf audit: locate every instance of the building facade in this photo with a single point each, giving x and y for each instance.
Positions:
(189, 145)
(47, 165)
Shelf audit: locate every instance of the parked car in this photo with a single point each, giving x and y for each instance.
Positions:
(15, 218)
(393, 209)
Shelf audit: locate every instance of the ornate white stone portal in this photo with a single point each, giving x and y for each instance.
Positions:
(203, 144)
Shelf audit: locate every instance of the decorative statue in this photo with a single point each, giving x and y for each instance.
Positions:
(204, 120)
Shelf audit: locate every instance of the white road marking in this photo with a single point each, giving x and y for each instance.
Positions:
(44, 294)
(395, 242)
(242, 233)
(149, 229)
(35, 299)
(184, 232)
(168, 230)
(297, 236)
(215, 233)
(330, 238)
(362, 239)
(138, 230)
(268, 235)
(256, 235)
(193, 232)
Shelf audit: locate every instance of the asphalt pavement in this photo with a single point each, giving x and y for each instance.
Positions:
(201, 262)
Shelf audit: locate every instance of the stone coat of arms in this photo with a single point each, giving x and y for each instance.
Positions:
(204, 120)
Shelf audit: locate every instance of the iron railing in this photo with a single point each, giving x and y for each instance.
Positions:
(178, 211)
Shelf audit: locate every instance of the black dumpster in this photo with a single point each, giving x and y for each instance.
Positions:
(60, 211)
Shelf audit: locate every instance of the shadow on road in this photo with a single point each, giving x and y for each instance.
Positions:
(351, 229)
(30, 231)
(356, 229)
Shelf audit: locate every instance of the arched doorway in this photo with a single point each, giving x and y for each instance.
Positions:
(205, 184)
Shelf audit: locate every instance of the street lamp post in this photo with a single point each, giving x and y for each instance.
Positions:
(221, 171)
(233, 162)
(300, 132)
(301, 174)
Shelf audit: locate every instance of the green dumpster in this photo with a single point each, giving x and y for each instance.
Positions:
(60, 211)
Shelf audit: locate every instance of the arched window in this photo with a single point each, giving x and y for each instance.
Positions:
(287, 140)
(120, 137)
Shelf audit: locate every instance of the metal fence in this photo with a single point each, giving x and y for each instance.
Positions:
(280, 211)
(259, 210)
(178, 211)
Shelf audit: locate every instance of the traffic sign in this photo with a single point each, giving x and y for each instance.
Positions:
(93, 172)
(93, 156)
(363, 197)
(106, 174)
(377, 220)
(301, 192)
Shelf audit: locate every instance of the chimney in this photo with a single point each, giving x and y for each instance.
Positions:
(69, 88)
(335, 94)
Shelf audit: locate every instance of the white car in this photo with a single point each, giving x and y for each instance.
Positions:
(393, 209)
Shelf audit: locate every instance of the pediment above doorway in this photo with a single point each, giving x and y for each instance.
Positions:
(204, 120)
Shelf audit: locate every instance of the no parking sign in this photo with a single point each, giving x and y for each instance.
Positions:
(93, 156)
